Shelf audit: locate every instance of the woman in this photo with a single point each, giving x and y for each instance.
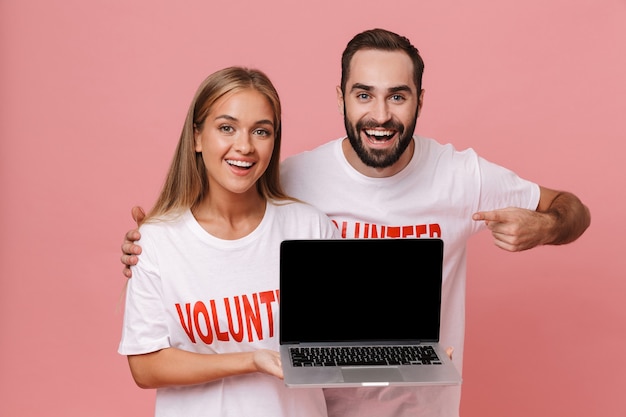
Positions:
(201, 322)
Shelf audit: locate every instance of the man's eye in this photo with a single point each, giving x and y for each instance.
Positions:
(362, 96)
(397, 97)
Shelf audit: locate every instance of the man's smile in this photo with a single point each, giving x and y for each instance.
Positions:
(379, 135)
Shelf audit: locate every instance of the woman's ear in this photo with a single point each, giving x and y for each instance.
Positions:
(197, 138)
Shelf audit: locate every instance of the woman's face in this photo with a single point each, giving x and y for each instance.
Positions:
(237, 141)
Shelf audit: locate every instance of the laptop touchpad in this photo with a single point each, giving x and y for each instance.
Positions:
(371, 375)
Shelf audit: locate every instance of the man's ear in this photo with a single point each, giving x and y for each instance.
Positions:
(340, 102)
(420, 102)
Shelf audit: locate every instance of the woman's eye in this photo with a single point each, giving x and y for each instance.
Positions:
(226, 128)
(261, 132)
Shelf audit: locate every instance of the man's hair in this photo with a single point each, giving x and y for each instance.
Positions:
(384, 40)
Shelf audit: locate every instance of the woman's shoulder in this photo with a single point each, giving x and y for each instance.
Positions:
(297, 207)
(164, 223)
(308, 220)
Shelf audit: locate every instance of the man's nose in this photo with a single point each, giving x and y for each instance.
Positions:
(380, 112)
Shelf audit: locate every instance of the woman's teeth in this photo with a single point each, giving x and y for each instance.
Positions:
(240, 164)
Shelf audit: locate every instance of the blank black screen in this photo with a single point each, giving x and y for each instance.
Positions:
(360, 289)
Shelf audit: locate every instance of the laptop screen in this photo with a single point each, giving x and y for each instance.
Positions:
(366, 290)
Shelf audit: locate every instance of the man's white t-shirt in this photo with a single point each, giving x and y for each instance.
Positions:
(433, 197)
(195, 292)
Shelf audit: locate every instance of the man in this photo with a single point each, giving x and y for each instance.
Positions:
(381, 181)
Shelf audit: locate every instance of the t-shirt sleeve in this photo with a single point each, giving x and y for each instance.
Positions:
(501, 188)
(144, 328)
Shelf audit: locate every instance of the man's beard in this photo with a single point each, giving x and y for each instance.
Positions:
(378, 158)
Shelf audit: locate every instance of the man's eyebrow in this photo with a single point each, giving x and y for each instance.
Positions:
(400, 88)
(365, 87)
(359, 86)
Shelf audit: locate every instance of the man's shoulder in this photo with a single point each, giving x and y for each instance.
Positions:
(430, 146)
(322, 151)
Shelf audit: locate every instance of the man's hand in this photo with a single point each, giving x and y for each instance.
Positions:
(516, 229)
(560, 218)
(129, 249)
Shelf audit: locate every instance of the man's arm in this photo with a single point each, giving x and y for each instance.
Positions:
(129, 249)
(560, 218)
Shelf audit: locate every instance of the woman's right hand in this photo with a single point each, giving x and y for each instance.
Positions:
(268, 361)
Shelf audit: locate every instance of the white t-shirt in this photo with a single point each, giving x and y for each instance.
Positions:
(434, 196)
(195, 292)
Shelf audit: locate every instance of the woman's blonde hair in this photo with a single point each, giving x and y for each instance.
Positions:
(186, 183)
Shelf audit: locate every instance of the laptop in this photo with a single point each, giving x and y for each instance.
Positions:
(376, 300)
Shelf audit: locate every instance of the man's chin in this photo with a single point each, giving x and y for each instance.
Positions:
(377, 159)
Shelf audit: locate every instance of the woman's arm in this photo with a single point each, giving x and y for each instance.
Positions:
(171, 366)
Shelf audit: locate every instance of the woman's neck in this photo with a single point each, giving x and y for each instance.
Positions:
(230, 217)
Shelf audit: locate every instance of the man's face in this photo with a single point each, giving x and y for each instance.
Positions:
(380, 106)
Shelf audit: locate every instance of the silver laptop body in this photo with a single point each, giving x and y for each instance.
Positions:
(357, 297)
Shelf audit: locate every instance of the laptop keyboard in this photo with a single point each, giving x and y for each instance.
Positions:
(364, 355)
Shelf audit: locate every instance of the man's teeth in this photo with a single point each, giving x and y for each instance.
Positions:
(241, 164)
(379, 133)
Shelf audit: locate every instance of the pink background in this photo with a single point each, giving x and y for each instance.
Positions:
(93, 95)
